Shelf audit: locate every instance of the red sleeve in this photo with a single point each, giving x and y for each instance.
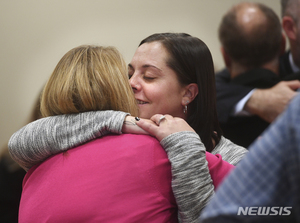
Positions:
(218, 168)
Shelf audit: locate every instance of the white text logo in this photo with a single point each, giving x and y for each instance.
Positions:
(264, 211)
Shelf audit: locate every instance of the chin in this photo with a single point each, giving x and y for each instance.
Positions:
(145, 115)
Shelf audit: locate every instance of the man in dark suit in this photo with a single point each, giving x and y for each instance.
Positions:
(252, 42)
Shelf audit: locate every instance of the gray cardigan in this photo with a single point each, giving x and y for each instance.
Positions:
(191, 182)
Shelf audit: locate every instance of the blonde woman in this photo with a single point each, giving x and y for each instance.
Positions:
(118, 178)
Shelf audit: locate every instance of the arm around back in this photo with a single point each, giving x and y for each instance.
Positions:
(48, 136)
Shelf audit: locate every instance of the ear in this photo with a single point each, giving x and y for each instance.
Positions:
(283, 44)
(191, 91)
(226, 58)
(289, 27)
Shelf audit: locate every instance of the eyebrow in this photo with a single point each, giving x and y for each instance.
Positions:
(145, 66)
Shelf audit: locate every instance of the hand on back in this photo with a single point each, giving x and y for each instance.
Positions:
(269, 103)
(164, 125)
(159, 126)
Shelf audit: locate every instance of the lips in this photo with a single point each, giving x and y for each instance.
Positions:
(141, 102)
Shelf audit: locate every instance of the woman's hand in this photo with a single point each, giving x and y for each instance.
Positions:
(130, 126)
(163, 125)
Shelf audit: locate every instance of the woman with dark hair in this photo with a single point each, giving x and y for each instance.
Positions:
(191, 61)
(172, 78)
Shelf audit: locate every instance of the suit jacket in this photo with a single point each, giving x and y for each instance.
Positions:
(229, 94)
(243, 130)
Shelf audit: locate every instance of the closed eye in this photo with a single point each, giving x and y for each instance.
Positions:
(148, 78)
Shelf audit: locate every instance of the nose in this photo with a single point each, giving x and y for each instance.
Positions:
(133, 81)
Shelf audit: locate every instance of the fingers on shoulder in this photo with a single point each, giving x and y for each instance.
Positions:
(147, 126)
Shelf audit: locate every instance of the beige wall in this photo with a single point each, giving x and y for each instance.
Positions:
(36, 34)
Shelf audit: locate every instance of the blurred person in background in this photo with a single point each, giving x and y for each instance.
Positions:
(252, 42)
(234, 99)
(11, 177)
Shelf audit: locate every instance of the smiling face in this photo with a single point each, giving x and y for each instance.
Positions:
(155, 85)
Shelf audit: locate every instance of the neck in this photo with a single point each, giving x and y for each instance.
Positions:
(237, 69)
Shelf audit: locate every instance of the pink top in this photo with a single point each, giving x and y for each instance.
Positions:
(218, 168)
(117, 178)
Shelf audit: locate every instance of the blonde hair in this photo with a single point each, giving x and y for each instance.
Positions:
(88, 78)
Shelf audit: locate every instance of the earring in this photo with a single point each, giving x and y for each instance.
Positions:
(185, 108)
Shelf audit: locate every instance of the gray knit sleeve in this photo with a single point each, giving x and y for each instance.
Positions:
(229, 151)
(191, 182)
(39, 140)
